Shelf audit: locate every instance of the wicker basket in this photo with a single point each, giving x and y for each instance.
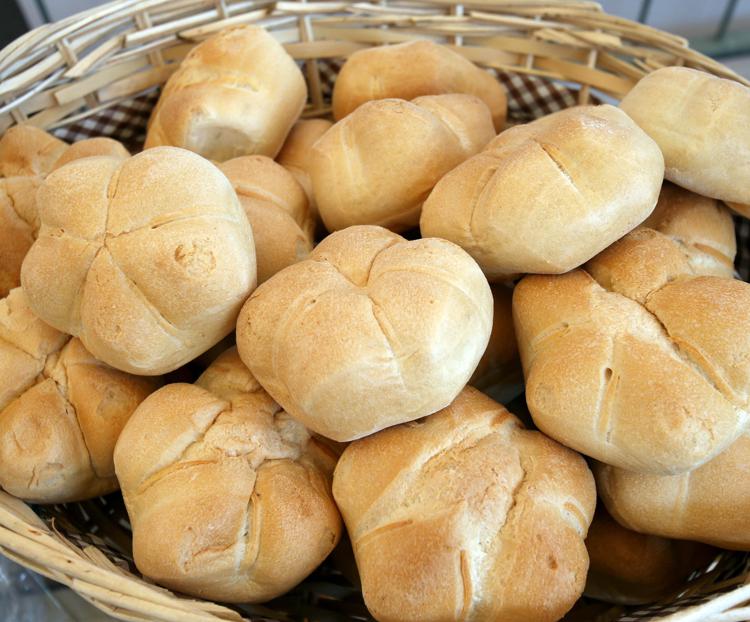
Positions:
(98, 72)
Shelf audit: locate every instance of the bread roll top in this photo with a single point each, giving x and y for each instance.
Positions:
(90, 147)
(457, 507)
(413, 69)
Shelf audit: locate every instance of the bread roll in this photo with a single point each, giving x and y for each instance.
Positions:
(276, 206)
(228, 496)
(630, 568)
(702, 125)
(61, 410)
(158, 254)
(702, 226)
(237, 93)
(26, 151)
(412, 69)
(19, 222)
(377, 166)
(99, 146)
(710, 504)
(547, 196)
(634, 361)
(466, 516)
(370, 331)
(296, 154)
(501, 356)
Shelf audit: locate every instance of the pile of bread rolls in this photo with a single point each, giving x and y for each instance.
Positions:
(348, 393)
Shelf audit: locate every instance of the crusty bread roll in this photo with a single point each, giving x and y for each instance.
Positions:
(635, 361)
(412, 69)
(465, 515)
(277, 208)
(61, 410)
(296, 154)
(501, 356)
(547, 196)
(26, 150)
(703, 227)
(228, 496)
(377, 166)
(370, 331)
(19, 222)
(710, 504)
(90, 147)
(237, 93)
(630, 568)
(702, 125)
(158, 257)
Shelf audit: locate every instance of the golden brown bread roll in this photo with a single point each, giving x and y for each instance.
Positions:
(465, 515)
(370, 331)
(26, 150)
(710, 504)
(547, 196)
(296, 154)
(90, 147)
(630, 568)
(158, 254)
(501, 356)
(19, 222)
(635, 361)
(277, 208)
(412, 69)
(237, 93)
(228, 496)
(377, 166)
(702, 125)
(703, 227)
(61, 410)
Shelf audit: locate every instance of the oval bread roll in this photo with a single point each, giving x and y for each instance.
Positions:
(228, 496)
(413, 69)
(710, 504)
(630, 568)
(61, 410)
(447, 514)
(547, 196)
(702, 125)
(377, 166)
(370, 331)
(636, 361)
(703, 227)
(158, 253)
(276, 206)
(237, 93)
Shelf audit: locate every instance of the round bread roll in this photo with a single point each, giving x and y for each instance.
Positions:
(710, 504)
(296, 154)
(237, 93)
(702, 125)
(90, 147)
(501, 356)
(703, 227)
(635, 361)
(26, 150)
(158, 257)
(61, 410)
(370, 331)
(377, 166)
(228, 496)
(19, 222)
(630, 568)
(276, 206)
(412, 69)
(465, 515)
(547, 196)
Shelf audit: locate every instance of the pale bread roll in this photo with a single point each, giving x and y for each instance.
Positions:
(296, 154)
(158, 257)
(710, 504)
(636, 361)
(277, 208)
(547, 196)
(370, 331)
(377, 166)
(229, 497)
(236, 93)
(26, 150)
(465, 515)
(90, 147)
(703, 227)
(630, 568)
(61, 410)
(702, 125)
(500, 359)
(413, 69)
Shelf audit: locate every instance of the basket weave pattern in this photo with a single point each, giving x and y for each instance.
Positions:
(97, 74)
